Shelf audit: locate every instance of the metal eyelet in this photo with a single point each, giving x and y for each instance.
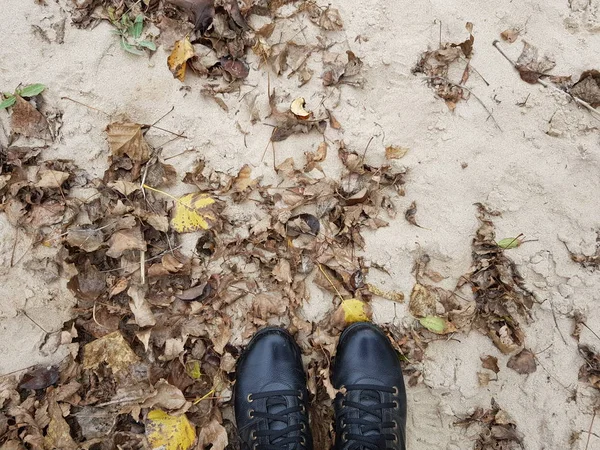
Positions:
(253, 435)
(250, 415)
(396, 405)
(303, 427)
(396, 390)
(344, 436)
(255, 446)
(300, 396)
(303, 410)
(395, 425)
(395, 439)
(249, 398)
(302, 441)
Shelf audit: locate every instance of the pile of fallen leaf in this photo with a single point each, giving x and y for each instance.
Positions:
(151, 354)
(498, 431)
(437, 66)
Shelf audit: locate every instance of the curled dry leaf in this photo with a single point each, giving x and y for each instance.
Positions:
(213, 433)
(194, 212)
(589, 372)
(510, 35)
(490, 362)
(298, 109)
(127, 139)
(177, 60)
(531, 66)
(393, 152)
(410, 215)
(523, 362)
(588, 87)
(388, 295)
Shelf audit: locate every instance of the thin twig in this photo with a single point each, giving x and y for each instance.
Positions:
(591, 331)
(12, 254)
(87, 106)
(590, 430)
(169, 131)
(143, 266)
(586, 105)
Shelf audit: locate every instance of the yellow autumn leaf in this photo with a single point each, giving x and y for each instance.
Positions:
(193, 212)
(177, 60)
(192, 368)
(354, 311)
(166, 432)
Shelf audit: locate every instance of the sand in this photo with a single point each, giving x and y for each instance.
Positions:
(540, 170)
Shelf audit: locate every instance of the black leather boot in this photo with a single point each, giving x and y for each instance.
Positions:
(270, 394)
(370, 409)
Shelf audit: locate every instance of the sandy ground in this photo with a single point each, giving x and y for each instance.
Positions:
(541, 171)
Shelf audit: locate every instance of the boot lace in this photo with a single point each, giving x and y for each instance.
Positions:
(278, 416)
(369, 418)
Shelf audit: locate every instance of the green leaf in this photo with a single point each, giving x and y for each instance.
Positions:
(129, 48)
(508, 243)
(32, 90)
(433, 323)
(8, 102)
(148, 44)
(138, 26)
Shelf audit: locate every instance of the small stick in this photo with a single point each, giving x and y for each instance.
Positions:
(87, 106)
(586, 105)
(12, 254)
(168, 131)
(590, 431)
(143, 266)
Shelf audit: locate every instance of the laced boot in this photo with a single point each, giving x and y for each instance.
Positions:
(270, 394)
(370, 409)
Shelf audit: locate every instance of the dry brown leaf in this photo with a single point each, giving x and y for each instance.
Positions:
(213, 433)
(244, 180)
(51, 179)
(165, 396)
(269, 304)
(126, 138)
(389, 295)
(140, 307)
(483, 378)
(490, 362)
(410, 215)
(111, 349)
(393, 152)
(58, 435)
(510, 35)
(531, 66)
(588, 87)
(125, 240)
(88, 240)
(298, 109)
(28, 121)
(523, 362)
(202, 12)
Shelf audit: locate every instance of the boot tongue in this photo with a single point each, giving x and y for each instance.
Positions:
(275, 405)
(371, 398)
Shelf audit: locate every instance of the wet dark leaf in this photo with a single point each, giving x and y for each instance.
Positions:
(40, 378)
